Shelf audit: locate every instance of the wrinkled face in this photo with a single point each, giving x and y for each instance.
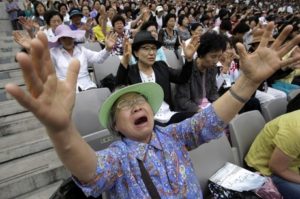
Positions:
(146, 54)
(134, 117)
(211, 59)
(171, 23)
(119, 27)
(54, 22)
(40, 9)
(67, 42)
(153, 31)
(76, 19)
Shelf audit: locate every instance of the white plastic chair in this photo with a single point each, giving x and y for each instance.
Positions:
(209, 158)
(243, 130)
(274, 108)
(109, 66)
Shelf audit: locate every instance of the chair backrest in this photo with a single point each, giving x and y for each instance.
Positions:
(293, 94)
(274, 108)
(243, 130)
(172, 60)
(86, 109)
(209, 158)
(100, 140)
(109, 66)
(94, 46)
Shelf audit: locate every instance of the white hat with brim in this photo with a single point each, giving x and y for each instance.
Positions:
(151, 91)
(65, 31)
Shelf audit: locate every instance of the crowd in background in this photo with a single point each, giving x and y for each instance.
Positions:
(203, 33)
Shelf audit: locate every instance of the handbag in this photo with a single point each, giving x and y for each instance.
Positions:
(219, 192)
(69, 190)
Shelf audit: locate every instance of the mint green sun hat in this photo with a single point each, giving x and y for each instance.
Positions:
(152, 91)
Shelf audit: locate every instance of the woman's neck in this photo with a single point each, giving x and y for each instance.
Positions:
(147, 69)
(169, 31)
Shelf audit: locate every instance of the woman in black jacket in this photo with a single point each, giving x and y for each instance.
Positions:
(148, 70)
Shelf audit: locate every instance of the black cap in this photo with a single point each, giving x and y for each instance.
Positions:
(144, 37)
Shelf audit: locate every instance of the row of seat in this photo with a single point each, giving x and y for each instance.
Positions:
(207, 159)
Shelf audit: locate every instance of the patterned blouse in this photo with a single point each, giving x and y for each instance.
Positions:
(166, 158)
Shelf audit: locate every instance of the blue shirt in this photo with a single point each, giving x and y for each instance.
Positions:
(166, 158)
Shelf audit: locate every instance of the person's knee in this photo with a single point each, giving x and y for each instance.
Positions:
(288, 190)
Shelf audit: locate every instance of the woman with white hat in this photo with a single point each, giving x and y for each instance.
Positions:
(162, 152)
(64, 50)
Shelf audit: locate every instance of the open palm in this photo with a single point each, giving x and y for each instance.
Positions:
(49, 99)
(264, 61)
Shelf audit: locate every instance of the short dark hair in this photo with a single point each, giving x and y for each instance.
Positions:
(51, 13)
(117, 18)
(211, 42)
(61, 5)
(181, 18)
(167, 18)
(36, 14)
(242, 27)
(148, 24)
(226, 25)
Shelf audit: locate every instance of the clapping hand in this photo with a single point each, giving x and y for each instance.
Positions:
(127, 52)
(110, 40)
(22, 39)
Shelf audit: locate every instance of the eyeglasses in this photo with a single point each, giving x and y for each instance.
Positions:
(149, 49)
(128, 104)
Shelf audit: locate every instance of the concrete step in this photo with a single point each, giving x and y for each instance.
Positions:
(16, 80)
(10, 74)
(10, 107)
(18, 123)
(24, 144)
(43, 193)
(5, 96)
(7, 59)
(9, 52)
(8, 44)
(9, 66)
(27, 174)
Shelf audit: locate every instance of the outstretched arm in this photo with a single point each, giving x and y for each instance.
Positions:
(51, 100)
(256, 67)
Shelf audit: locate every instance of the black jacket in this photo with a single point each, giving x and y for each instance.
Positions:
(164, 75)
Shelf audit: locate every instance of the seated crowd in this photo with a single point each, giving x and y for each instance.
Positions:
(214, 42)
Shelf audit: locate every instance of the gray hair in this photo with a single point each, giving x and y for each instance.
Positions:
(111, 122)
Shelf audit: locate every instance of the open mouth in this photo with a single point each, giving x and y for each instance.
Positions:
(141, 120)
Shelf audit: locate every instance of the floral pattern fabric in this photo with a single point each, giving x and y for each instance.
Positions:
(165, 157)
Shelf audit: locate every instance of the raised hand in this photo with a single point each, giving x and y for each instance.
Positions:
(190, 49)
(110, 40)
(22, 39)
(49, 99)
(28, 24)
(127, 52)
(264, 61)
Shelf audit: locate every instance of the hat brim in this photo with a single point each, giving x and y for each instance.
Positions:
(77, 14)
(152, 91)
(136, 45)
(75, 34)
